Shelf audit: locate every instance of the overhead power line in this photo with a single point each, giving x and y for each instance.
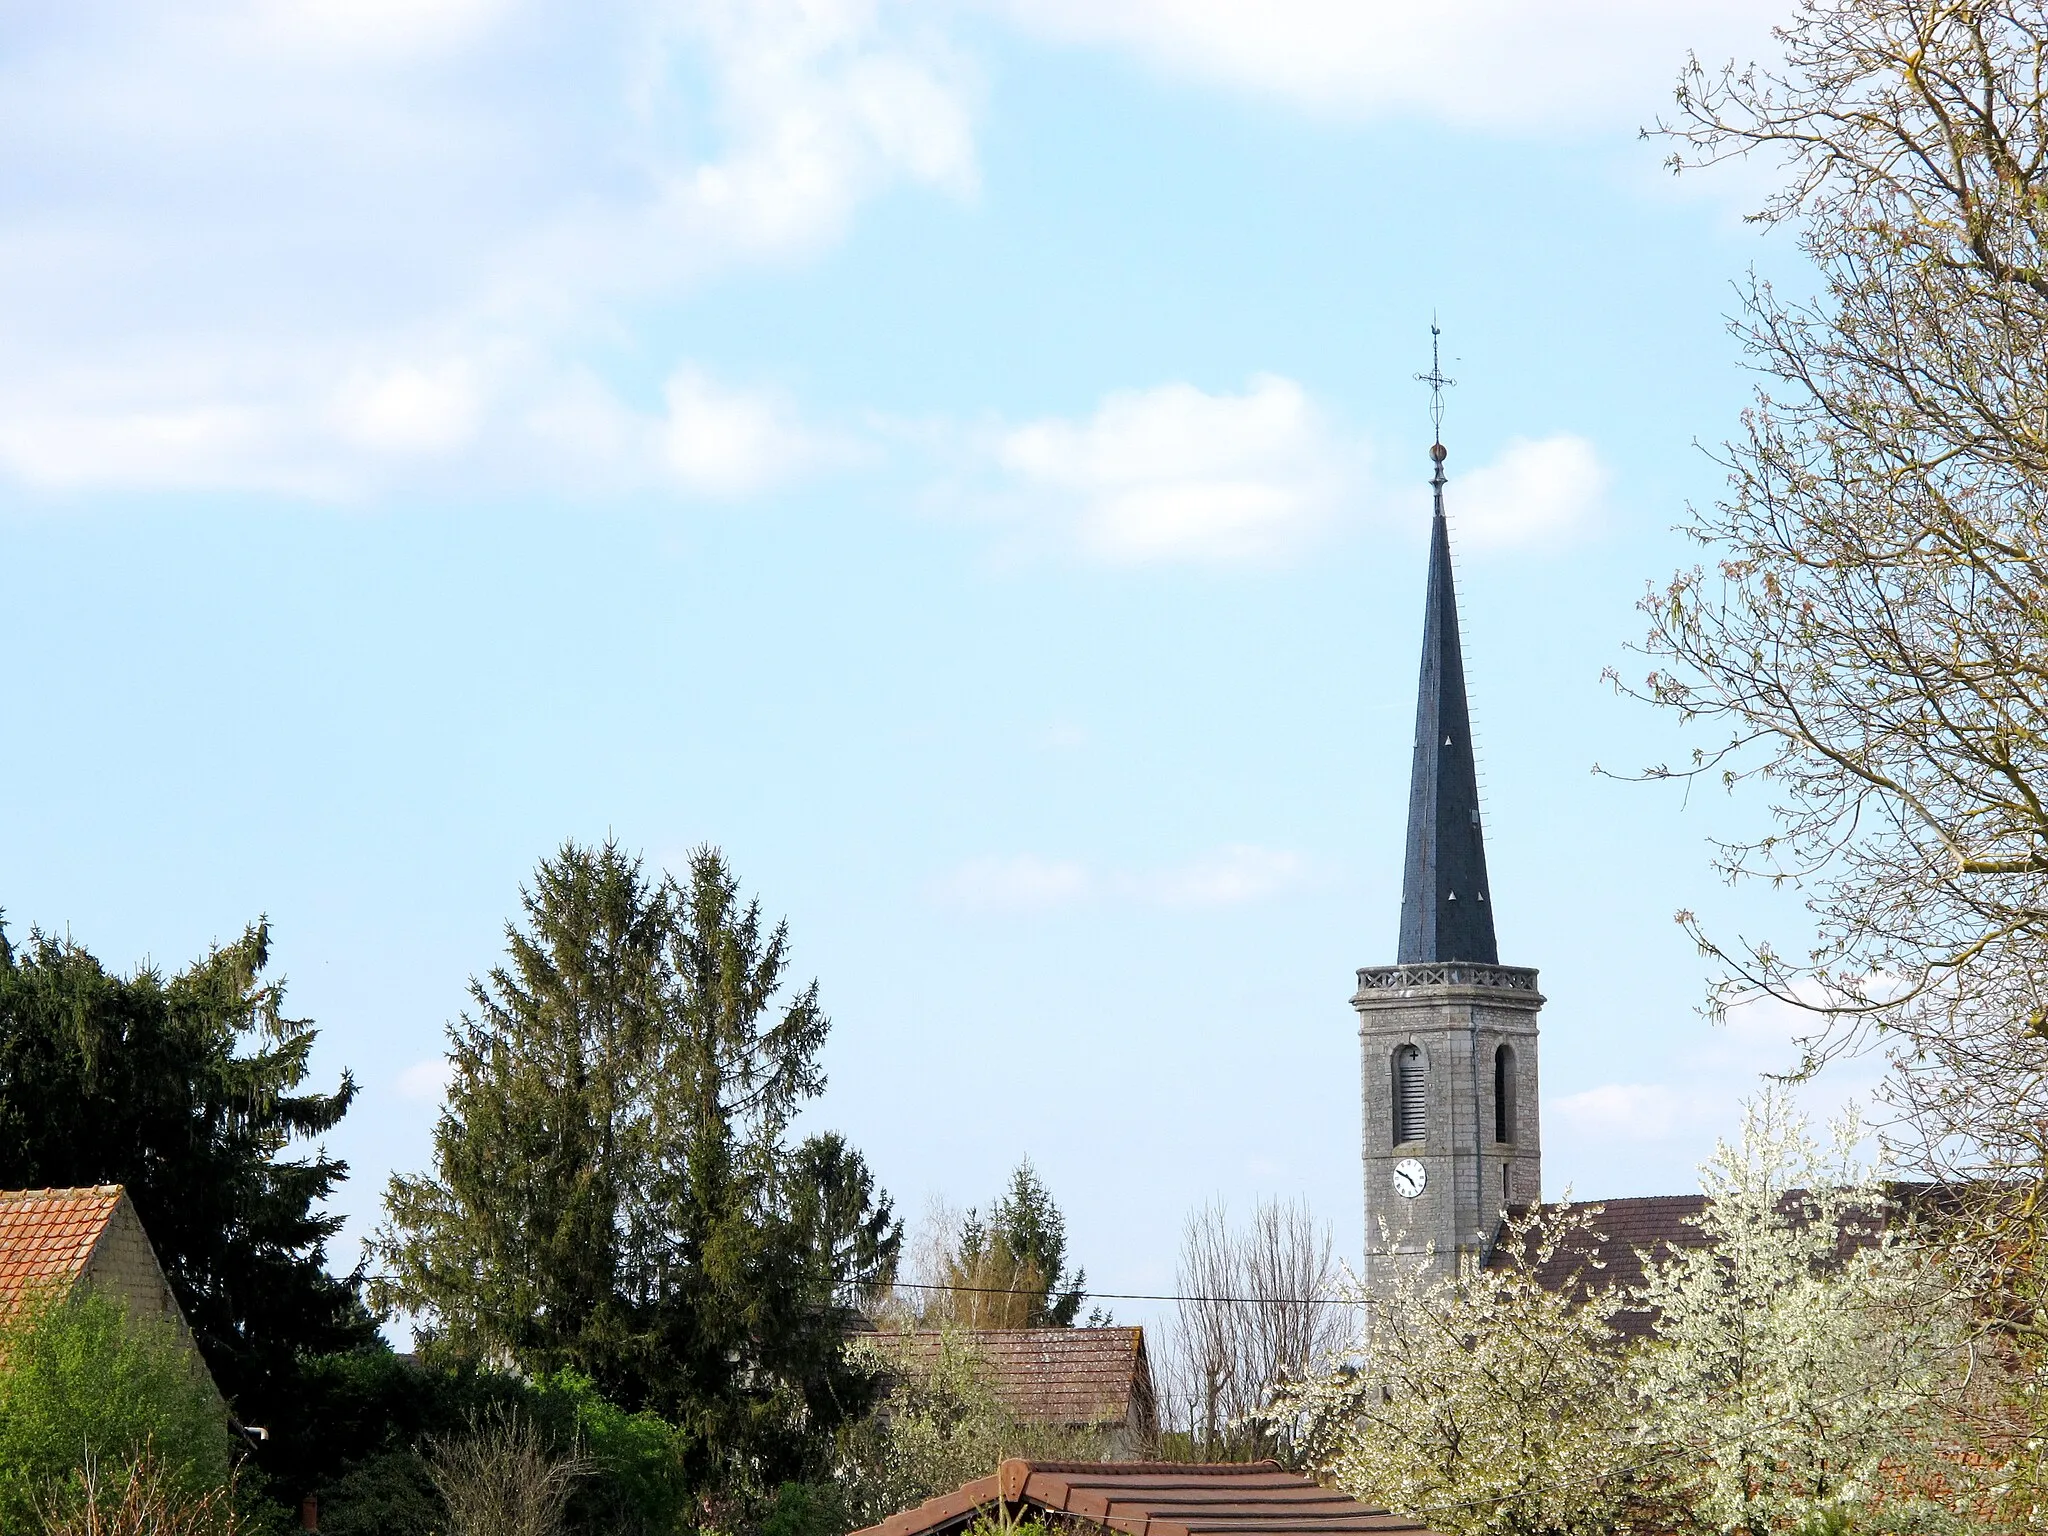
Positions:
(1018, 1290)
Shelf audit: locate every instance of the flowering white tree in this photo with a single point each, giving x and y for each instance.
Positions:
(1485, 1403)
(1797, 1375)
(1805, 1353)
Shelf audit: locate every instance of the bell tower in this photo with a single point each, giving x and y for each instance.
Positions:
(1447, 1034)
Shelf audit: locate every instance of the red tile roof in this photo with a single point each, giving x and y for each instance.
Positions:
(1153, 1498)
(47, 1236)
(1068, 1376)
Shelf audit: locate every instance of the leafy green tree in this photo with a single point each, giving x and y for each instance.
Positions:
(82, 1378)
(613, 1192)
(189, 1090)
(368, 1415)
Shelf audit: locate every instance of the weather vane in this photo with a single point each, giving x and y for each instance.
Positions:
(1437, 381)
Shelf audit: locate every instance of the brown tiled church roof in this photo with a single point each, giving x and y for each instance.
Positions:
(1066, 1376)
(1152, 1498)
(1609, 1249)
(47, 1237)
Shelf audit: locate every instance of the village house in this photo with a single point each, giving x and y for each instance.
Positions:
(52, 1241)
(1070, 1378)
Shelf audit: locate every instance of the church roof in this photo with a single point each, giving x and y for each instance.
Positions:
(1446, 909)
(1608, 1254)
(1608, 1251)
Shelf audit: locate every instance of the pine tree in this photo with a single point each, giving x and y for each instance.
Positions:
(612, 1188)
(188, 1090)
(1009, 1270)
(848, 1228)
(1030, 1225)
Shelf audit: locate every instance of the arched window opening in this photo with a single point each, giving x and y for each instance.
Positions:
(1504, 1094)
(1411, 1095)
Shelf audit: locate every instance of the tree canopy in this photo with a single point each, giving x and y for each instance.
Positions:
(1867, 637)
(1802, 1371)
(613, 1189)
(189, 1090)
(84, 1380)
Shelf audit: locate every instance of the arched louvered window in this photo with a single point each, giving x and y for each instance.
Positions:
(1411, 1095)
(1504, 1094)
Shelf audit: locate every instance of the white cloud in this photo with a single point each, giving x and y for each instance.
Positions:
(310, 246)
(1229, 877)
(1023, 883)
(425, 1081)
(1498, 63)
(411, 409)
(1723, 1066)
(1174, 473)
(729, 442)
(1629, 1112)
(381, 28)
(1534, 493)
(1234, 875)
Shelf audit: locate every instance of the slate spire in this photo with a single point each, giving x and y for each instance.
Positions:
(1446, 907)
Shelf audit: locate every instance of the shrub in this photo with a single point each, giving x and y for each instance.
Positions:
(940, 1424)
(504, 1478)
(83, 1381)
(145, 1500)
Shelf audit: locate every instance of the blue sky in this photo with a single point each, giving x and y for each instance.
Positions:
(961, 458)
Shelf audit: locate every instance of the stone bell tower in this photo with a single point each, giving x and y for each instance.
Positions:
(1447, 1034)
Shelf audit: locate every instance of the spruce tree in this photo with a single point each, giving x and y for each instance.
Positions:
(521, 1243)
(189, 1090)
(849, 1229)
(1020, 1248)
(1027, 1222)
(613, 1189)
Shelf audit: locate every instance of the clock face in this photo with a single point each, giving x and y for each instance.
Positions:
(1410, 1178)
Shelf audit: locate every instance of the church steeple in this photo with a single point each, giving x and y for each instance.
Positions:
(1447, 1036)
(1446, 909)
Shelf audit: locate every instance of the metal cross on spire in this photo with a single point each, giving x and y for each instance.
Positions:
(1437, 381)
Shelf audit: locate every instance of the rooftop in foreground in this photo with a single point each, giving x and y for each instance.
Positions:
(1151, 1498)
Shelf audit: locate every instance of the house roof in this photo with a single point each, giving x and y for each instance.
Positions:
(1071, 1376)
(47, 1236)
(1151, 1498)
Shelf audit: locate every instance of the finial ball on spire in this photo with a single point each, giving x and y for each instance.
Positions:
(1438, 452)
